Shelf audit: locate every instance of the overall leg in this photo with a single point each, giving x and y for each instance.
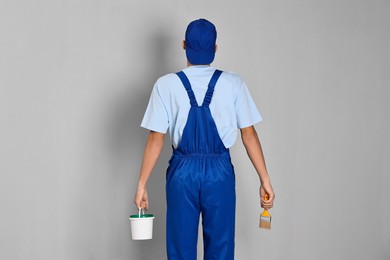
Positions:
(182, 214)
(218, 200)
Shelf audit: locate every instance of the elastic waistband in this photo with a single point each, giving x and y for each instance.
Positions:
(200, 155)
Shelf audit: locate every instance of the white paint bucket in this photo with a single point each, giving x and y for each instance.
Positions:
(141, 226)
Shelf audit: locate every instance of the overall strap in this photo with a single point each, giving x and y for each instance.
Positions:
(210, 89)
(187, 85)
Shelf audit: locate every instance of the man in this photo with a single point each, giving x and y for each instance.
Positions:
(202, 107)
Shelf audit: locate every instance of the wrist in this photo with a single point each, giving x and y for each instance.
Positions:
(265, 180)
(141, 185)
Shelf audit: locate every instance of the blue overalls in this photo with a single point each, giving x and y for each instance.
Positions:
(200, 179)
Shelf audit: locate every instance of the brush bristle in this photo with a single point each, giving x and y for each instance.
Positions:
(265, 222)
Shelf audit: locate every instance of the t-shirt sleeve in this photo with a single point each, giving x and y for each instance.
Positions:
(156, 117)
(246, 110)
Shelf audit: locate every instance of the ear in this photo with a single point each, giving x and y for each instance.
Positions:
(184, 45)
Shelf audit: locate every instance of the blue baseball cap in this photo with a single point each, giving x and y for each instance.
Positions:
(200, 39)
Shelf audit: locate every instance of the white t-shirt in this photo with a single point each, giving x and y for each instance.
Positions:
(231, 107)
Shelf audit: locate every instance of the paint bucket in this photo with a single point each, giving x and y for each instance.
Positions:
(141, 226)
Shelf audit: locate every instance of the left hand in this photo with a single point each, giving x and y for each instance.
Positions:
(141, 198)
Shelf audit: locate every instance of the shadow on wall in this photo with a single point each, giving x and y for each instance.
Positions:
(100, 225)
(127, 142)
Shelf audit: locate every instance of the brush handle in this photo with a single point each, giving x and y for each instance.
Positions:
(265, 212)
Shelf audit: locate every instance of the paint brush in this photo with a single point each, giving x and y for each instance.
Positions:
(265, 217)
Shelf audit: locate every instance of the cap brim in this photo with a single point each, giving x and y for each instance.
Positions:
(200, 57)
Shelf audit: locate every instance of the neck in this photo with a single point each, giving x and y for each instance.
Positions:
(189, 64)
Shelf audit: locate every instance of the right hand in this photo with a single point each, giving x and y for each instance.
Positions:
(141, 198)
(266, 188)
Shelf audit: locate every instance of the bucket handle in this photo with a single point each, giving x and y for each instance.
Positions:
(139, 212)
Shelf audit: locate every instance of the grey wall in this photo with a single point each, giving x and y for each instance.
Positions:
(75, 80)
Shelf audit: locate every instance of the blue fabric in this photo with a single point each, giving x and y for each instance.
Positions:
(200, 38)
(200, 180)
(232, 106)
